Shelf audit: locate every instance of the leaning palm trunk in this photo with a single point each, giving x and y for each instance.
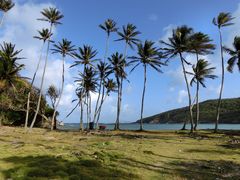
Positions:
(29, 93)
(42, 80)
(100, 107)
(1, 22)
(54, 123)
(143, 96)
(197, 107)
(189, 93)
(81, 115)
(97, 103)
(221, 88)
(97, 113)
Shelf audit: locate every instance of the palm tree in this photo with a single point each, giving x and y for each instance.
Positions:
(85, 56)
(129, 35)
(118, 63)
(148, 55)
(9, 68)
(223, 20)
(44, 35)
(177, 45)
(200, 44)
(108, 26)
(87, 83)
(64, 48)
(111, 86)
(234, 53)
(53, 16)
(5, 6)
(104, 70)
(81, 96)
(200, 72)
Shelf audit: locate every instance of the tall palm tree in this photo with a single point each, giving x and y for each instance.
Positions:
(104, 70)
(177, 45)
(44, 35)
(200, 72)
(222, 20)
(64, 48)
(148, 55)
(5, 6)
(234, 53)
(111, 86)
(53, 16)
(88, 83)
(129, 35)
(200, 44)
(109, 26)
(118, 63)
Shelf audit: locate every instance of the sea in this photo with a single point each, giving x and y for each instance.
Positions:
(154, 127)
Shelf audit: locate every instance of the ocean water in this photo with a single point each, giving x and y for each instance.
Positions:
(135, 126)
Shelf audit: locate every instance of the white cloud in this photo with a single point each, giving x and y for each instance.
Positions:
(167, 32)
(182, 96)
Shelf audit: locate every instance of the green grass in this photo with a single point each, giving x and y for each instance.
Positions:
(118, 155)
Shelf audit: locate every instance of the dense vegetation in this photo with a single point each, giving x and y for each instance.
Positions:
(230, 113)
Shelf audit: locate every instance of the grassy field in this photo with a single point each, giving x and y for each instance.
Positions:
(118, 155)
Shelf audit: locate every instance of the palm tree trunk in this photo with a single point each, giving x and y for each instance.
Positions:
(120, 92)
(54, 123)
(118, 106)
(29, 93)
(1, 22)
(42, 80)
(100, 107)
(81, 115)
(106, 50)
(189, 93)
(143, 96)
(222, 83)
(87, 97)
(197, 107)
(90, 108)
(97, 103)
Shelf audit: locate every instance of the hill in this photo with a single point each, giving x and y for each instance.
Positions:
(230, 113)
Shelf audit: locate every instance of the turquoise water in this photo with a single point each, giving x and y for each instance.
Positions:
(75, 126)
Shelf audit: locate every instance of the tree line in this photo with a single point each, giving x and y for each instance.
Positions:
(107, 75)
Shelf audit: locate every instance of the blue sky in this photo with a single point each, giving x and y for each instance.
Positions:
(154, 18)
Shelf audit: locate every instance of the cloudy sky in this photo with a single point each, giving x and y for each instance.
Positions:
(154, 18)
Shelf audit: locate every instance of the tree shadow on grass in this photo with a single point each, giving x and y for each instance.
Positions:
(213, 151)
(138, 136)
(202, 169)
(48, 167)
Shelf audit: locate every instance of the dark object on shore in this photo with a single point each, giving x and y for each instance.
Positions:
(102, 127)
(91, 125)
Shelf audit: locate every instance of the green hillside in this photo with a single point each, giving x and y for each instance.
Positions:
(230, 113)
